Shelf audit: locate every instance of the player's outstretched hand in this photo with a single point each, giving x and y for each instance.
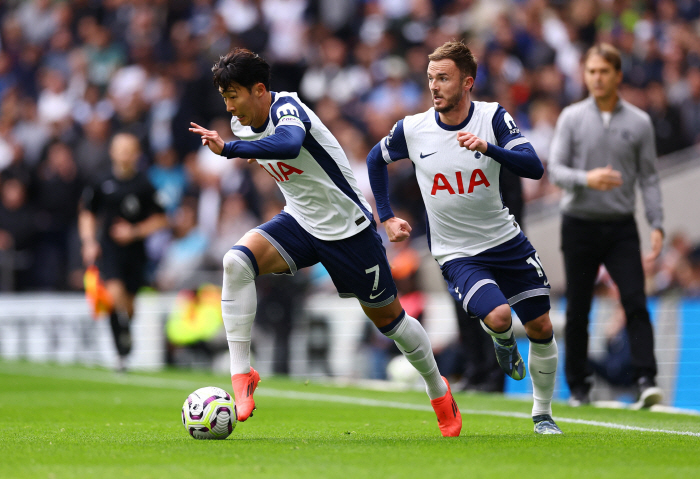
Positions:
(210, 138)
(471, 142)
(397, 229)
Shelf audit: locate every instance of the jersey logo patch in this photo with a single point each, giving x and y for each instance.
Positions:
(440, 182)
(425, 156)
(510, 123)
(287, 109)
(477, 155)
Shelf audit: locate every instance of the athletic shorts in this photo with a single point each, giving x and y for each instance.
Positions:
(510, 273)
(357, 265)
(127, 264)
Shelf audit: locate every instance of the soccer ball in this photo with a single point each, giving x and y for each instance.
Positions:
(402, 372)
(209, 413)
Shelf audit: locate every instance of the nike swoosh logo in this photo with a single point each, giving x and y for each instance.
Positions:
(424, 156)
(372, 296)
(542, 372)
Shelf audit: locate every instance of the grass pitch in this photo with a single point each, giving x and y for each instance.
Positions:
(73, 422)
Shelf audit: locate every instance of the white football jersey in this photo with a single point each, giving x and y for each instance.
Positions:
(320, 190)
(460, 188)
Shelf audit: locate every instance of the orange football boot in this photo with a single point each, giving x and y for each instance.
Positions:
(243, 387)
(448, 415)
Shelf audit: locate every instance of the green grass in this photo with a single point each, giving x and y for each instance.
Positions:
(73, 422)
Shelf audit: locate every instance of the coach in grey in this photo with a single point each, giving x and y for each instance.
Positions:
(602, 147)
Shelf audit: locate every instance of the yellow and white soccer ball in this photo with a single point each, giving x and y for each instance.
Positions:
(209, 413)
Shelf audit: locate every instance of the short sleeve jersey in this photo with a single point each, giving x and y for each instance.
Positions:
(133, 200)
(460, 188)
(320, 190)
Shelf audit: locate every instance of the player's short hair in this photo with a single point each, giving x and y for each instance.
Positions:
(609, 53)
(459, 53)
(243, 67)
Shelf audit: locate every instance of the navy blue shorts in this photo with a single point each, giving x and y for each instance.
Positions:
(510, 273)
(357, 265)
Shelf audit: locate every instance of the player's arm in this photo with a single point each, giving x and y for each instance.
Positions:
(389, 149)
(521, 160)
(291, 124)
(284, 144)
(512, 149)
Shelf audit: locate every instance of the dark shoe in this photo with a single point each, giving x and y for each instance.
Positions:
(509, 357)
(649, 393)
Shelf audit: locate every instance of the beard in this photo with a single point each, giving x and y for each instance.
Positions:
(450, 103)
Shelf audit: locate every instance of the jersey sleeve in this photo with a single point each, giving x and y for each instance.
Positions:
(153, 201)
(287, 111)
(507, 132)
(90, 198)
(393, 146)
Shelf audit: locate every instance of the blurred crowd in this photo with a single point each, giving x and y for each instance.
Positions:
(74, 73)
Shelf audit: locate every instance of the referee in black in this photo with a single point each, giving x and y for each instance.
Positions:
(603, 146)
(117, 214)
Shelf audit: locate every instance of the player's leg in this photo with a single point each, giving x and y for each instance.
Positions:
(523, 280)
(624, 264)
(542, 361)
(471, 283)
(413, 342)
(120, 317)
(251, 256)
(359, 268)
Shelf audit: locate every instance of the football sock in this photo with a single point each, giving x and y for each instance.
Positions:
(413, 342)
(543, 370)
(120, 324)
(239, 303)
(502, 335)
(239, 352)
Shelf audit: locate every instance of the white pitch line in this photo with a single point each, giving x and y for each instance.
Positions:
(164, 383)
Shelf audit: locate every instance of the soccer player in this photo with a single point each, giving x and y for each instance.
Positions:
(602, 147)
(326, 219)
(126, 205)
(458, 148)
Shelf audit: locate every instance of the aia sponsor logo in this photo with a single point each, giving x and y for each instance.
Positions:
(281, 171)
(442, 183)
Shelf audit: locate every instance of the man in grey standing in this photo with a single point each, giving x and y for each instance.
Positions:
(602, 147)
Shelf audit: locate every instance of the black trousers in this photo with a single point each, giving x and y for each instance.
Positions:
(586, 245)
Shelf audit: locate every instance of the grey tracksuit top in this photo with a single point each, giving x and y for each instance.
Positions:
(582, 142)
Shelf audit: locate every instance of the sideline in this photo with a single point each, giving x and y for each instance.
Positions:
(132, 379)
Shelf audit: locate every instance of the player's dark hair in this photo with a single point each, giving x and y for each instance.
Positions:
(459, 53)
(608, 52)
(243, 67)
